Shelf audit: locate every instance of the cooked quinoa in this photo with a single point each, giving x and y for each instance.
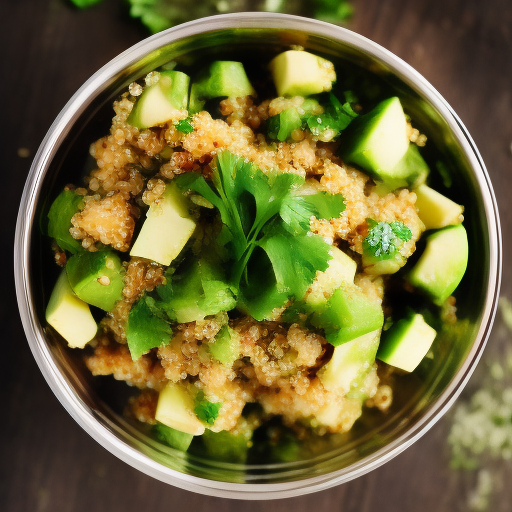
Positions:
(279, 361)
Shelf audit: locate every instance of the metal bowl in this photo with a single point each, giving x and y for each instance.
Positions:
(423, 397)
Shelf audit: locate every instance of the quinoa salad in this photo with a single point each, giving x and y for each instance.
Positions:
(241, 254)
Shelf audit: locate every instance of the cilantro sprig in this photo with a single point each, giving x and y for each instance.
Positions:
(384, 239)
(184, 126)
(273, 254)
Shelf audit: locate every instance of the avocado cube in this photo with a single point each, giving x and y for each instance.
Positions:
(226, 346)
(97, 278)
(175, 408)
(411, 172)
(161, 102)
(442, 264)
(436, 210)
(174, 438)
(342, 269)
(348, 314)
(65, 205)
(222, 79)
(299, 73)
(167, 228)
(350, 362)
(406, 343)
(377, 141)
(70, 316)
(227, 446)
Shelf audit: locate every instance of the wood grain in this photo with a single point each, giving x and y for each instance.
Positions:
(47, 462)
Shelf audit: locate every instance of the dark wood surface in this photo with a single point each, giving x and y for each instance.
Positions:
(48, 49)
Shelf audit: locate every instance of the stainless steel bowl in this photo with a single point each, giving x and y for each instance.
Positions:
(374, 440)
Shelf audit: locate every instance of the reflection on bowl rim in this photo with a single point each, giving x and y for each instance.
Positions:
(88, 419)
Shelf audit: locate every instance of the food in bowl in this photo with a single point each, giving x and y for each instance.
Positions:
(253, 257)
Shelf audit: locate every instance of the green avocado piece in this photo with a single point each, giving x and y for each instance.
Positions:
(282, 125)
(406, 343)
(167, 228)
(161, 102)
(411, 172)
(175, 408)
(65, 205)
(442, 264)
(342, 269)
(435, 210)
(299, 73)
(350, 362)
(197, 289)
(226, 346)
(223, 78)
(377, 141)
(174, 438)
(97, 278)
(70, 316)
(348, 314)
(228, 446)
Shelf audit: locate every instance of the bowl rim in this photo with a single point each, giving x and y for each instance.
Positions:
(58, 382)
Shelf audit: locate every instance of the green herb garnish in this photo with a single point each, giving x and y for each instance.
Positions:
(84, 4)
(335, 118)
(205, 410)
(184, 126)
(147, 327)
(263, 211)
(385, 238)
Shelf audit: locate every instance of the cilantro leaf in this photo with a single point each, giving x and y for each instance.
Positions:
(283, 268)
(184, 126)
(205, 410)
(384, 239)
(296, 210)
(333, 11)
(146, 327)
(335, 118)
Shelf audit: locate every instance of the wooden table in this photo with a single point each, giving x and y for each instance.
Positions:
(48, 463)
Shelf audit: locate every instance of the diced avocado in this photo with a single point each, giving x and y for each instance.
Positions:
(70, 316)
(167, 228)
(350, 362)
(299, 73)
(227, 446)
(282, 125)
(175, 409)
(443, 263)
(348, 314)
(411, 172)
(226, 346)
(197, 289)
(406, 343)
(97, 278)
(377, 141)
(342, 269)
(435, 210)
(162, 101)
(65, 205)
(174, 438)
(376, 267)
(223, 78)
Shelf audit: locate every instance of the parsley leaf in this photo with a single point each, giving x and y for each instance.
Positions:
(147, 327)
(296, 210)
(184, 126)
(384, 239)
(205, 410)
